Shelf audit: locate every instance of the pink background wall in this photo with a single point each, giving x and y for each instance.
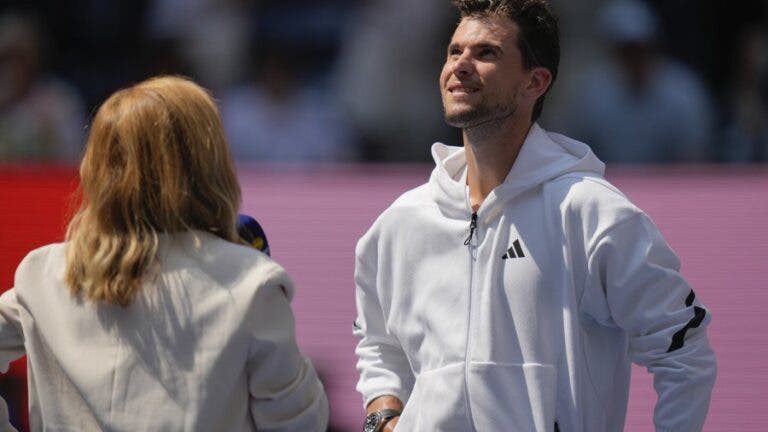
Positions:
(715, 218)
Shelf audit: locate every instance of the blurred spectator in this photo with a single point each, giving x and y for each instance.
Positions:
(691, 33)
(209, 37)
(286, 113)
(640, 107)
(275, 118)
(41, 117)
(388, 74)
(579, 51)
(96, 45)
(746, 132)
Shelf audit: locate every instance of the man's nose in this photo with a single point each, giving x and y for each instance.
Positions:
(463, 66)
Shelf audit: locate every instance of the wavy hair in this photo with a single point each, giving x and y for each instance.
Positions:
(156, 162)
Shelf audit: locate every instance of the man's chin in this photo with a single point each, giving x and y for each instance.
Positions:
(478, 116)
(464, 120)
(459, 116)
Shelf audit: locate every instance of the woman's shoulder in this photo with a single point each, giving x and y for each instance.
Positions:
(43, 257)
(233, 265)
(42, 267)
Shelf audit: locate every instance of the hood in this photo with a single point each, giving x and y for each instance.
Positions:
(543, 157)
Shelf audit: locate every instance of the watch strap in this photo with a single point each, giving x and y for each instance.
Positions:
(377, 419)
(387, 414)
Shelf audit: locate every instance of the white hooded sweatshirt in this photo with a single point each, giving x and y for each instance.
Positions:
(535, 320)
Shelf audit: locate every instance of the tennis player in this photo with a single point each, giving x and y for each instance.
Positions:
(513, 291)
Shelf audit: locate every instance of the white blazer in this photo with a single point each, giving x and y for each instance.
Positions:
(207, 345)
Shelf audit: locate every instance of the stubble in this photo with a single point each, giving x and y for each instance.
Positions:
(482, 114)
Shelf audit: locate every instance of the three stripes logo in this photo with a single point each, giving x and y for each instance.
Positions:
(516, 251)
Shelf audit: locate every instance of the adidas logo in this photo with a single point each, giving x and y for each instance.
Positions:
(516, 251)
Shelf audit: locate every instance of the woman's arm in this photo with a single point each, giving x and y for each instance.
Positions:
(286, 393)
(11, 344)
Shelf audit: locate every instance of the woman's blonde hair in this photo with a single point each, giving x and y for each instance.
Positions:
(156, 161)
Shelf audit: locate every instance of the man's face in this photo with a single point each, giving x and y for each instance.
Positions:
(483, 72)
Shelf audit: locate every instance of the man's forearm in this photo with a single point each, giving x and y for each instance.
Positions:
(384, 402)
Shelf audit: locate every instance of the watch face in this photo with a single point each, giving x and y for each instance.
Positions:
(372, 422)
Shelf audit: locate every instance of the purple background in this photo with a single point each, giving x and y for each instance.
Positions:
(715, 219)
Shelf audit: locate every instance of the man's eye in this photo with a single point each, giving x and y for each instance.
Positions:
(454, 52)
(488, 53)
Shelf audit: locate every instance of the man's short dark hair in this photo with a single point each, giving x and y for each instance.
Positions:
(539, 37)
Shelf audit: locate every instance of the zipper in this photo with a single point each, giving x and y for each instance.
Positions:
(467, 353)
(472, 228)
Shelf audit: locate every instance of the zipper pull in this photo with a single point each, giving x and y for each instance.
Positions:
(472, 227)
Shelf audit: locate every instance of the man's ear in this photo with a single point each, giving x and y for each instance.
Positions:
(540, 81)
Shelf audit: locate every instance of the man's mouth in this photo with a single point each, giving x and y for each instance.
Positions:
(462, 89)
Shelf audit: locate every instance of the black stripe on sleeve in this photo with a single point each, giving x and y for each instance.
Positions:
(678, 339)
(690, 299)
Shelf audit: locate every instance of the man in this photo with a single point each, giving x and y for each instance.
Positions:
(511, 291)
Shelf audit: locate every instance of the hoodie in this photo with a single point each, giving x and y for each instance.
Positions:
(526, 316)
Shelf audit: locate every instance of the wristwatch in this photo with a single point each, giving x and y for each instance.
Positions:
(375, 420)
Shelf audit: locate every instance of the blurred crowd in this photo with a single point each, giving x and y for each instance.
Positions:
(306, 81)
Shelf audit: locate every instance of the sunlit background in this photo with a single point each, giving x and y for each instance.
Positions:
(331, 106)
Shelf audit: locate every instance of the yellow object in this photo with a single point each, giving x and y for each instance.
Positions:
(258, 243)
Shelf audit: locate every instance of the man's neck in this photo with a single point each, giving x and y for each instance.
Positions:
(491, 151)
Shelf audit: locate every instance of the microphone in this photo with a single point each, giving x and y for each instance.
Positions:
(252, 233)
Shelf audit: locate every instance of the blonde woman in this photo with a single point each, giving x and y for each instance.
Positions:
(152, 316)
